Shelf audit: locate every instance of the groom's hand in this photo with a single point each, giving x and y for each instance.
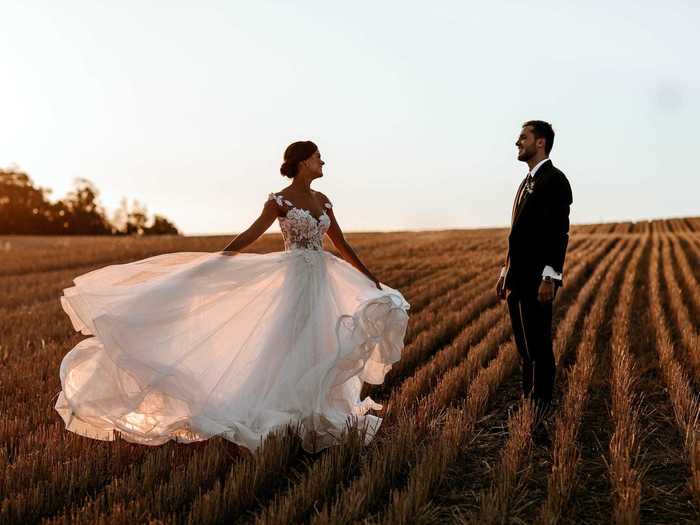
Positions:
(546, 292)
(501, 288)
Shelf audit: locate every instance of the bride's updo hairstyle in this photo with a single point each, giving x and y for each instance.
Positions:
(294, 154)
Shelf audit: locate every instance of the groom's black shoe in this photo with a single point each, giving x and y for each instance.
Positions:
(543, 423)
(545, 409)
(513, 407)
(541, 436)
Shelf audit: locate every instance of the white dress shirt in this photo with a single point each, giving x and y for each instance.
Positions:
(548, 270)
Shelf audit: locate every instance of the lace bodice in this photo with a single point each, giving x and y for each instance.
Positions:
(300, 229)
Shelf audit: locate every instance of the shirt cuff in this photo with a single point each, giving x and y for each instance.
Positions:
(549, 272)
(503, 271)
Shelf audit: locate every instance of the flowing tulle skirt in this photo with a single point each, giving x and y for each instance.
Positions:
(191, 345)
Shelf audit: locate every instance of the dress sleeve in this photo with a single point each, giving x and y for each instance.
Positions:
(279, 199)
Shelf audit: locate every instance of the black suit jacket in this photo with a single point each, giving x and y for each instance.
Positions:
(539, 232)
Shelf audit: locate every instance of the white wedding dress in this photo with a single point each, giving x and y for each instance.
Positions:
(191, 345)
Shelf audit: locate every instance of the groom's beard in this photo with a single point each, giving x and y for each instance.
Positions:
(526, 155)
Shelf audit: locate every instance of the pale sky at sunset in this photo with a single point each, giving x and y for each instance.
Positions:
(188, 106)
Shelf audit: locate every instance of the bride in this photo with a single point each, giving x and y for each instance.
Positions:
(189, 345)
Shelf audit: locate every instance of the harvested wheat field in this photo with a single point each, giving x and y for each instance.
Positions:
(455, 444)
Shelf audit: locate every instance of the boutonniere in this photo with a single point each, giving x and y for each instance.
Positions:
(530, 185)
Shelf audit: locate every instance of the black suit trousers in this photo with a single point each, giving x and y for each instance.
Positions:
(532, 330)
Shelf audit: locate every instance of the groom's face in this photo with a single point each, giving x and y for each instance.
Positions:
(527, 144)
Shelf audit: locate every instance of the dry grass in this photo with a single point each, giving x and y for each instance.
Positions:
(686, 405)
(624, 466)
(565, 453)
(446, 429)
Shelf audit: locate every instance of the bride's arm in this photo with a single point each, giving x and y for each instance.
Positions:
(267, 217)
(336, 236)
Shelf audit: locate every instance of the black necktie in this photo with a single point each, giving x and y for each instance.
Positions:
(527, 188)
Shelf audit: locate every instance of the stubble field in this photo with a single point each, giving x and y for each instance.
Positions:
(455, 444)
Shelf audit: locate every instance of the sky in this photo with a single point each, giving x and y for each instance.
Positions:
(415, 106)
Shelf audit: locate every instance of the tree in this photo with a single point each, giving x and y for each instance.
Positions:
(25, 209)
(136, 219)
(88, 217)
(161, 226)
(119, 217)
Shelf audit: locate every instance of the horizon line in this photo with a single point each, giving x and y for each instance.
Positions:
(501, 227)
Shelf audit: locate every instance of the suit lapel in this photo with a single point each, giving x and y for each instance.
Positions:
(541, 172)
(520, 204)
(516, 208)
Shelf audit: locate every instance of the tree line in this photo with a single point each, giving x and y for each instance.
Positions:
(26, 209)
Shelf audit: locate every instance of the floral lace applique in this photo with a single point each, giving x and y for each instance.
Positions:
(300, 229)
(279, 200)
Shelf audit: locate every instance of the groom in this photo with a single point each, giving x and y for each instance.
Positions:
(534, 265)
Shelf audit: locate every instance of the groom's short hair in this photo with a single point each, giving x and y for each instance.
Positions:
(542, 130)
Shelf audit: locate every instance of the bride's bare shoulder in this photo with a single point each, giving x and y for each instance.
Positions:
(323, 199)
(285, 193)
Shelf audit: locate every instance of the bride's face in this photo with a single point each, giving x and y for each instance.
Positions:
(314, 165)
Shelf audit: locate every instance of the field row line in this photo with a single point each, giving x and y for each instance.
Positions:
(452, 380)
(624, 468)
(473, 331)
(216, 488)
(193, 459)
(48, 459)
(565, 453)
(408, 502)
(686, 328)
(685, 404)
(689, 277)
(496, 502)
